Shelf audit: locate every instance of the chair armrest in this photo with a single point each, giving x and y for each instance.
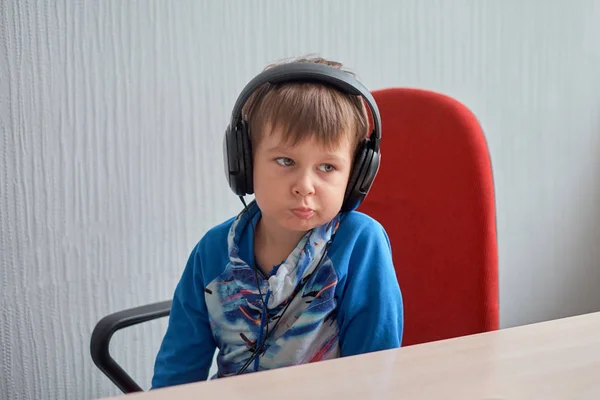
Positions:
(107, 326)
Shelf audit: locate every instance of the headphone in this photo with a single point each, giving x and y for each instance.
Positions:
(237, 148)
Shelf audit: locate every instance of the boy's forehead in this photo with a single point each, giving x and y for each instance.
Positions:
(276, 139)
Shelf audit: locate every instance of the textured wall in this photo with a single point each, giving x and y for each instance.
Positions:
(112, 112)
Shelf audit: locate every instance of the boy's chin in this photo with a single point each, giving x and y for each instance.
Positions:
(303, 225)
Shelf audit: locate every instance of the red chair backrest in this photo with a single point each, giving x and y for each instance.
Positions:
(434, 195)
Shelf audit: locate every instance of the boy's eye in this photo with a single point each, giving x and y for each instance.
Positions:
(326, 167)
(284, 161)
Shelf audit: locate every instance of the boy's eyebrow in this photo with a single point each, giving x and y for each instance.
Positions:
(333, 156)
(278, 149)
(288, 151)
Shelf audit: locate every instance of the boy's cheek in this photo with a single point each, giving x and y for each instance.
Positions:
(267, 178)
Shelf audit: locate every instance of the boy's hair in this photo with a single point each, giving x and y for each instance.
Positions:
(305, 110)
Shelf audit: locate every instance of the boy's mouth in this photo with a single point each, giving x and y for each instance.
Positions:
(303, 212)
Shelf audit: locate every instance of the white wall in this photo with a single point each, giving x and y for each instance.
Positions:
(112, 115)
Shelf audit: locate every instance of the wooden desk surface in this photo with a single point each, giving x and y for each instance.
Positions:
(557, 359)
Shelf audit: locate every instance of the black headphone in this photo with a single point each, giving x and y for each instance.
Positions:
(237, 149)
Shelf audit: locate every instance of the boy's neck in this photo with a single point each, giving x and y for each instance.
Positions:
(272, 245)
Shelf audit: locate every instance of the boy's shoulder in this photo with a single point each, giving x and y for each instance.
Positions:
(356, 223)
(361, 249)
(210, 253)
(357, 232)
(216, 236)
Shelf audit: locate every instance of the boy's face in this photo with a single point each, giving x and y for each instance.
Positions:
(300, 187)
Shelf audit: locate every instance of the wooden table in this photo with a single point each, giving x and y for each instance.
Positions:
(558, 359)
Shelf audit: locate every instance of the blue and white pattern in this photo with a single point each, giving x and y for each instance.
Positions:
(300, 305)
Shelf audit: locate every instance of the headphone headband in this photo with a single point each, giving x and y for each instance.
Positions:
(311, 72)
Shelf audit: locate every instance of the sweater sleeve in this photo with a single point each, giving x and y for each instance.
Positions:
(371, 314)
(188, 347)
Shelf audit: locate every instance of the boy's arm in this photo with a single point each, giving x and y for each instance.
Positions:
(188, 347)
(371, 310)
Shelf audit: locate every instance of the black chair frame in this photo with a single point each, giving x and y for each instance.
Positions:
(106, 328)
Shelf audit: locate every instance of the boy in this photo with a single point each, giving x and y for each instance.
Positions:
(293, 278)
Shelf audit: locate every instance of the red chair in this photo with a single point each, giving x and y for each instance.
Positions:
(434, 195)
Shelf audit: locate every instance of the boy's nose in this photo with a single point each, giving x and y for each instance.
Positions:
(304, 186)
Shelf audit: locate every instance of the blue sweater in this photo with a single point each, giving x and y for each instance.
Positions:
(350, 305)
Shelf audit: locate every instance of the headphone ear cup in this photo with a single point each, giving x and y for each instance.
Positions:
(246, 146)
(229, 158)
(237, 154)
(364, 170)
